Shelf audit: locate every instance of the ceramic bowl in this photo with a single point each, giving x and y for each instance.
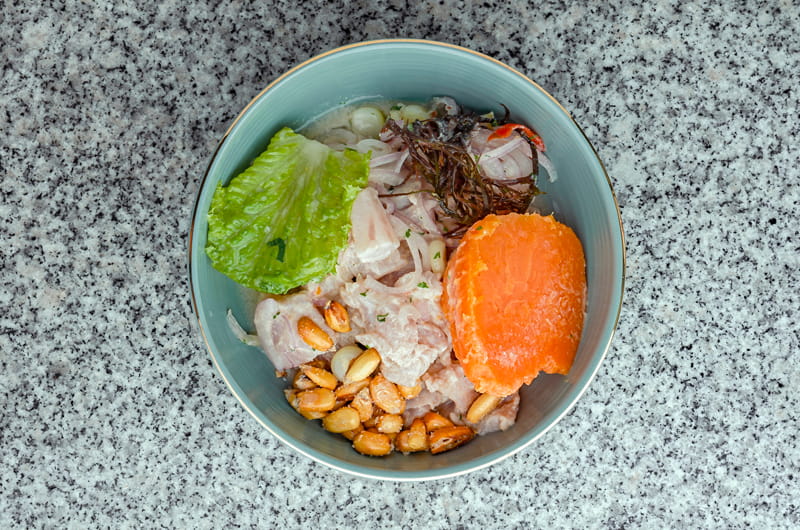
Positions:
(581, 197)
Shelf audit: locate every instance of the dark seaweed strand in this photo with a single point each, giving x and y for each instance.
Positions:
(534, 155)
(534, 152)
(437, 151)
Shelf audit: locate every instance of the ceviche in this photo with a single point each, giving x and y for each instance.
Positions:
(409, 290)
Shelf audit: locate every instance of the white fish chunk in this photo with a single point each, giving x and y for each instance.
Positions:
(276, 324)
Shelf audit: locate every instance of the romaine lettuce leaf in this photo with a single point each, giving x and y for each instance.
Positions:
(283, 221)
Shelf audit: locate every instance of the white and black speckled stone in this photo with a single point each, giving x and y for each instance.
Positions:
(110, 411)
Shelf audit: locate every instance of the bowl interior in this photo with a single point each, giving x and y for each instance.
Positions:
(413, 70)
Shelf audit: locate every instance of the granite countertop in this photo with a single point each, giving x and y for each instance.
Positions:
(111, 413)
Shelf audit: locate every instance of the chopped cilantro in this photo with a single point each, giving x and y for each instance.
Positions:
(363, 294)
(408, 232)
(423, 285)
(437, 255)
(382, 318)
(276, 315)
(281, 244)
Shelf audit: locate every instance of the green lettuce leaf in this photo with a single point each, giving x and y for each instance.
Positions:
(283, 221)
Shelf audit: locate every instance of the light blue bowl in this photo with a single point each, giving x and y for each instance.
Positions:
(582, 197)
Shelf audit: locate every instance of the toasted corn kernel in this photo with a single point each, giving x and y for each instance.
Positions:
(385, 395)
(291, 397)
(437, 251)
(363, 366)
(312, 414)
(320, 376)
(318, 363)
(313, 335)
(483, 405)
(447, 438)
(370, 423)
(409, 441)
(301, 382)
(409, 392)
(352, 434)
(372, 443)
(340, 362)
(418, 426)
(389, 423)
(341, 420)
(434, 421)
(348, 392)
(316, 400)
(336, 317)
(362, 402)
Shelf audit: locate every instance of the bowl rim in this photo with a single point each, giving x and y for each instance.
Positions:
(376, 474)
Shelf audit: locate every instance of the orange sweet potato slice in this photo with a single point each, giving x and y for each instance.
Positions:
(515, 296)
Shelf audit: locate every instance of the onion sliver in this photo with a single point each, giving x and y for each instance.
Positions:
(377, 147)
(548, 166)
(241, 334)
(503, 149)
(377, 161)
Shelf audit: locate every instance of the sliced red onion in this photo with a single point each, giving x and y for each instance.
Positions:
(240, 333)
(399, 166)
(388, 158)
(387, 177)
(376, 146)
(504, 149)
(548, 166)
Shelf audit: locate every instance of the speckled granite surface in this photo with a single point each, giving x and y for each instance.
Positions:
(110, 411)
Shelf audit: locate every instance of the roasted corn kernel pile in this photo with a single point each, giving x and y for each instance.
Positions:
(351, 399)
